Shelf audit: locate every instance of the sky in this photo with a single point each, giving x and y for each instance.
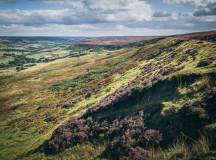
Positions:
(105, 17)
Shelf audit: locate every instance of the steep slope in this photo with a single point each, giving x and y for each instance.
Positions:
(168, 93)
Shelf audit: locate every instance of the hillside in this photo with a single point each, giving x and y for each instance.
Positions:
(153, 99)
(121, 40)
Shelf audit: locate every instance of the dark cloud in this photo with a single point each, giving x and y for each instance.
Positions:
(202, 7)
(208, 10)
(195, 3)
(186, 22)
(161, 14)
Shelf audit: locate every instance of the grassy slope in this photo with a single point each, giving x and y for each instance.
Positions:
(42, 92)
(26, 100)
(189, 82)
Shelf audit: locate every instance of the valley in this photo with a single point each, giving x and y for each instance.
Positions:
(140, 98)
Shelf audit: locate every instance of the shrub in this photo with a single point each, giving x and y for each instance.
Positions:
(151, 138)
(205, 62)
(139, 153)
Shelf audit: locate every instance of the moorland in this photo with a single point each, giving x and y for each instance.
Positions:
(128, 98)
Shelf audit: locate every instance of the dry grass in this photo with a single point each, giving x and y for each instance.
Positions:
(181, 150)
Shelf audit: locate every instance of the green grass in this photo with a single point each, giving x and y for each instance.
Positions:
(22, 122)
(29, 96)
(118, 81)
(78, 152)
(5, 60)
(80, 80)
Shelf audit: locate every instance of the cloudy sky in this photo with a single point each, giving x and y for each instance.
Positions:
(105, 17)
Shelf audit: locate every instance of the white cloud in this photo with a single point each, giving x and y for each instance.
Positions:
(82, 30)
(33, 17)
(196, 3)
(48, 30)
(106, 17)
(75, 4)
(113, 10)
(120, 27)
(44, 1)
(81, 12)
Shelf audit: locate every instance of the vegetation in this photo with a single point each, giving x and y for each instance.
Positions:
(198, 149)
(147, 100)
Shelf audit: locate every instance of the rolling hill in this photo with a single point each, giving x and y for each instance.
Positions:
(146, 99)
(121, 40)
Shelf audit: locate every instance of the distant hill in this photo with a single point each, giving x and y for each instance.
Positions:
(210, 35)
(116, 40)
(124, 40)
(43, 39)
